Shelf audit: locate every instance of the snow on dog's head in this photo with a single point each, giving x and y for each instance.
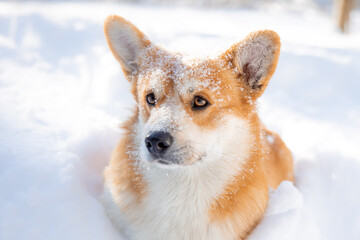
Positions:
(193, 110)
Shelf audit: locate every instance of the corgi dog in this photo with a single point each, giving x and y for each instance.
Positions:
(194, 162)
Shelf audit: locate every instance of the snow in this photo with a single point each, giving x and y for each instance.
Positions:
(62, 95)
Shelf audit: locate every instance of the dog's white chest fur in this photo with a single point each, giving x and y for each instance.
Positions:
(176, 206)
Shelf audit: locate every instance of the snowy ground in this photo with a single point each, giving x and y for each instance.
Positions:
(62, 96)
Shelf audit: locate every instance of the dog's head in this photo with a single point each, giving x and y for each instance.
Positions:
(192, 111)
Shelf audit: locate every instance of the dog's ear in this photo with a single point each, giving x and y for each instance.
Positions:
(256, 58)
(126, 43)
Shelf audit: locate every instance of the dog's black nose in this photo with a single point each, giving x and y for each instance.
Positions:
(158, 142)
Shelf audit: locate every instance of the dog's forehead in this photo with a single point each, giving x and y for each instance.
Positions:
(198, 74)
(183, 74)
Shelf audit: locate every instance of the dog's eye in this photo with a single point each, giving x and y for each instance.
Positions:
(150, 99)
(199, 103)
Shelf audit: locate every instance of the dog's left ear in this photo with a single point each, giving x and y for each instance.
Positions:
(256, 58)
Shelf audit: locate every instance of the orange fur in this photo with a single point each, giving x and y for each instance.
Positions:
(121, 171)
(278, 165)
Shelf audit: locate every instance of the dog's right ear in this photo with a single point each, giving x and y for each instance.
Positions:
(255, 58)
(125, 42)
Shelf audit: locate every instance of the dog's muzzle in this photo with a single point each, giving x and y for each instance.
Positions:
(157, 143)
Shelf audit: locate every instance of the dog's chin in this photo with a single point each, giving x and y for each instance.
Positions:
(175, 162)
(161, 163)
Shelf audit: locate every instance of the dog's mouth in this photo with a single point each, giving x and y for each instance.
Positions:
(182, 156)
(163, 162)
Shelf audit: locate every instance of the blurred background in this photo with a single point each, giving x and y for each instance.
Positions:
(63, 96)
(339, 9)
